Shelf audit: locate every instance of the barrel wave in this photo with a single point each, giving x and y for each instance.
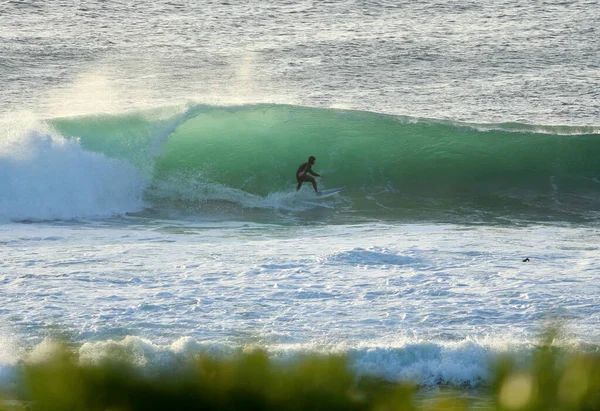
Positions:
(393, 166)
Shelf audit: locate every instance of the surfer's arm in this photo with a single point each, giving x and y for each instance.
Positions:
(309, 170)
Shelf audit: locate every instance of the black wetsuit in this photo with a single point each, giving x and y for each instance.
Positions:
(306, 168)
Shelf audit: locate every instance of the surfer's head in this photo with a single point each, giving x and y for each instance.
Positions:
(311, 159)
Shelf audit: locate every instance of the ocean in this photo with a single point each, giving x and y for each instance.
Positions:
(147, 188)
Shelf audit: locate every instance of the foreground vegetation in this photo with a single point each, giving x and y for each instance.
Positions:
(553, 380)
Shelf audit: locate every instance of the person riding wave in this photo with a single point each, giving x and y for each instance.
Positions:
(303, 177)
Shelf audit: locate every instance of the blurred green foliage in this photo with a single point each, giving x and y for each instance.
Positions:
(553, 380)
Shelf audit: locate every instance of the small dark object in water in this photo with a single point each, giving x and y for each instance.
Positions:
(526, 260)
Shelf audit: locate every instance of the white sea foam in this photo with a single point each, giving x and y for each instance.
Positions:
(432, 303)
(45, 177)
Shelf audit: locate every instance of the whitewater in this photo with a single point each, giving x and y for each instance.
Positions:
(147, 190)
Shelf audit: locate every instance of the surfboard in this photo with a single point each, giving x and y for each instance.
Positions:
(328, 193)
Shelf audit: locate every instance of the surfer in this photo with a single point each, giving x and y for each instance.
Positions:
(303, 177)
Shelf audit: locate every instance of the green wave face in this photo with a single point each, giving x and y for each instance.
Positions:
(390, 164)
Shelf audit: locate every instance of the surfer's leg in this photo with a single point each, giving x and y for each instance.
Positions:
(300, 180)
(314, 184)
(306, 179)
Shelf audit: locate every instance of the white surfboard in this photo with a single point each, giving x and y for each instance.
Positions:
(328, 193)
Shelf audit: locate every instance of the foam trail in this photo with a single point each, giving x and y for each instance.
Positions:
(197, 189)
